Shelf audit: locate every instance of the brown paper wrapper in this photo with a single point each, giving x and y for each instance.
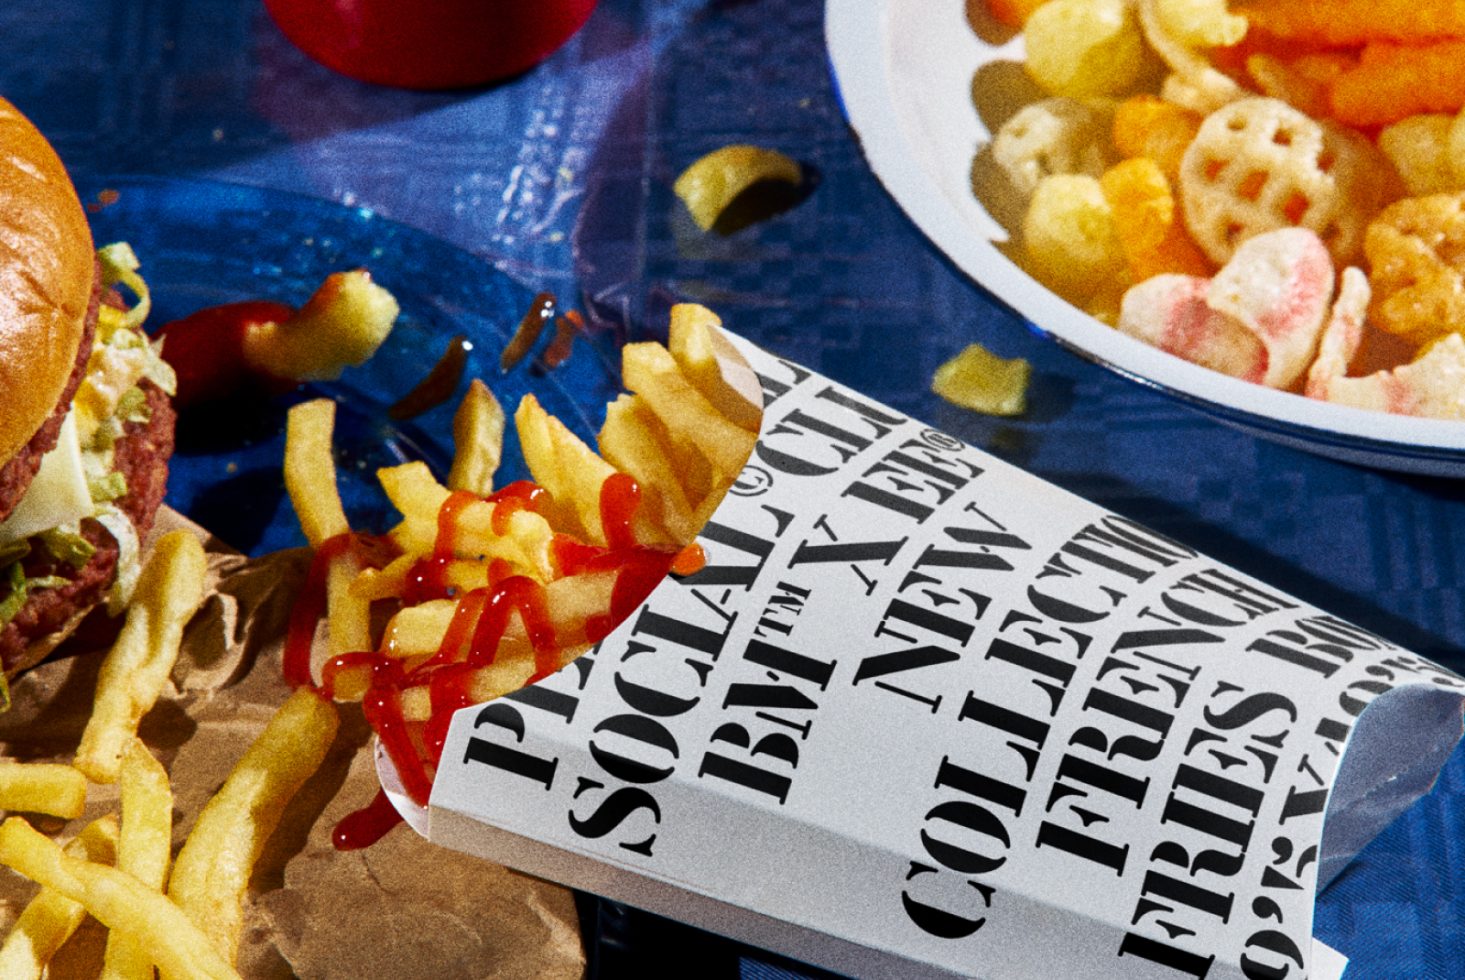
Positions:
(402, 908)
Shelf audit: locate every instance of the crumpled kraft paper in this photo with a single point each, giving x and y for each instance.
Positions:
(402, 908)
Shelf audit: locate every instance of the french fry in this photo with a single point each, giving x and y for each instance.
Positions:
(1341, 23)
(51, 918)
(711, 364)
(212, 871)
(695, 426)
(478, 440)
(564, 466)
(348, 616)
(169, 591)
(634, 440)
(143, 849)
(42, 787)
(310, 471)
(118, 900)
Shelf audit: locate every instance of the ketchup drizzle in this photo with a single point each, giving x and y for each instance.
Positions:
(364, 827)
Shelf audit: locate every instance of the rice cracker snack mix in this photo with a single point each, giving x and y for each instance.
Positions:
(1274, 189)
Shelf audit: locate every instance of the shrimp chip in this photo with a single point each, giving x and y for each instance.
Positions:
(1054, 136)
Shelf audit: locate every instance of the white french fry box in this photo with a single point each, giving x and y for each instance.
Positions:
(923, 714)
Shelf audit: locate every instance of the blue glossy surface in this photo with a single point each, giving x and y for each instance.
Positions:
(560, 179)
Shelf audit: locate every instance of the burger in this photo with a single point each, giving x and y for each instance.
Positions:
(86, 425)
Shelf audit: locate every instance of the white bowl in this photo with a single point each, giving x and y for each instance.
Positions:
(905, 71)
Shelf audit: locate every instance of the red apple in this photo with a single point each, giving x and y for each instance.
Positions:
(429, 44)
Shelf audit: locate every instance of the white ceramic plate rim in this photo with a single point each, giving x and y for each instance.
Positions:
(906, 95)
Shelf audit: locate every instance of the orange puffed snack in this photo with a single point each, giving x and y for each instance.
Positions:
(1393, 81)
(1148, 126)
(1013, 13)
(1147, 221)
(1416, 256)
(1347, 23)
(1304, 82)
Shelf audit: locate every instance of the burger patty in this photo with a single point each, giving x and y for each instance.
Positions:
(142, 458)
(17, 473)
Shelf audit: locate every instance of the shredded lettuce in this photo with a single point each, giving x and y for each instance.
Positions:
(66, 544)
(119, 267)
(107, 488)
(13, 602)
(14, 551)
(133, 406)
(129, 565)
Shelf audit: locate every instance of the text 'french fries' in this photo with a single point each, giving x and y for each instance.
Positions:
(494, 589)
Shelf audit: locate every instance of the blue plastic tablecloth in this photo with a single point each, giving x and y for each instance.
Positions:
(562, 178)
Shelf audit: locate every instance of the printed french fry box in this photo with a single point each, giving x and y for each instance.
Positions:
(923, 714)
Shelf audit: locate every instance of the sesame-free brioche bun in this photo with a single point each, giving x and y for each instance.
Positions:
(47, 267)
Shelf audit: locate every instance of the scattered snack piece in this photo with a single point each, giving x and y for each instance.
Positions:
(1344, 23)
(222, 351)
(1258, 164)
(1278, 285)
(1170, 312)
(1416, 255)
(1147, 221)
(1201, 23)
(1419, 148)
(1304, 82)
(983, 382)
(710, 185)
(1432, 385)
(1054, 136)
(1147, 126)
(1393, 81)
(1072, 244)
(1084, 48)
(1194, 82)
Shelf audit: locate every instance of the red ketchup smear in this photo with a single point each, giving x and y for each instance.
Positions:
(206, 350)
(476, 630)
(366, 826)
(309, 608)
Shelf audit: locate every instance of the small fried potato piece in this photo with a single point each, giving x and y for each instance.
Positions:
(634, 441)
(1393, 81)
(713, 365)
(1013, 13)
(1416, 255)
(341, 325)
(132, 676)
(348, 616)
(566, 467)
(119, 901)
(1419, 148)
(980, 380)
(212, 871)
(42, 787)
(310, 471)
(710, 184)
(51, 918)
(694, 425)
(1147, 126)
(143, 849)
(1071, 240)
(1147, 221)
(1202, 23)
(478, 440)
(1083, 48)
(1341, 23)
(1304, 82)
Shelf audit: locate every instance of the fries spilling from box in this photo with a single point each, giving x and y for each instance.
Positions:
(918, 713)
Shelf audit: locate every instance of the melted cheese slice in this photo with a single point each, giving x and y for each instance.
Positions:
(57, 495)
